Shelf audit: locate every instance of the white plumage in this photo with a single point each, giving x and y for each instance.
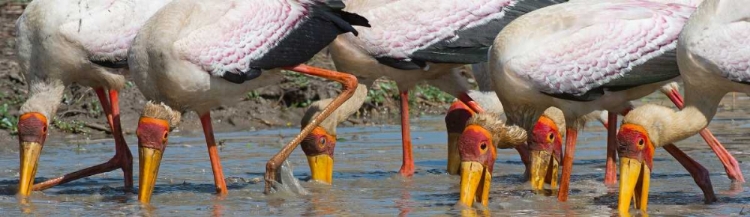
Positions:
(105, 29)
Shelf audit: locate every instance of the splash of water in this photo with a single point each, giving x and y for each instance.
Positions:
(288, 183)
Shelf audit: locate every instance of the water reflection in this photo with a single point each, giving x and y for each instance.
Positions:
(404, 203)
(25, 204)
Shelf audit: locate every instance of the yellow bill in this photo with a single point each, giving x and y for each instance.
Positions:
(475, 178)
(635, 180)
(544, 168)
(30, 152)
(321, 168)
(150, 159)
(454, 159)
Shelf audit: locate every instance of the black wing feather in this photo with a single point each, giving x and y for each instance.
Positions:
(325, 22)
(119, 64)
(472, 44)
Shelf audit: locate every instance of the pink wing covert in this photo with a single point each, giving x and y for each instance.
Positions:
(423, 23)
(600, 43)
(247, 31)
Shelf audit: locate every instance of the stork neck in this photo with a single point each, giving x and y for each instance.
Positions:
(339, 115)
(482, 76)
(44, 97)
(523, 116)
(697, 114)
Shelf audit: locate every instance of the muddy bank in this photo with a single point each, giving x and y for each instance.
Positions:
(281, 105)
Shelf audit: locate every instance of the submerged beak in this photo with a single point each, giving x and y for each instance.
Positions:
(150, 159)
(454, 159)
(29, 157)
(321, 168)
(635, 177)
(544, 168)
(475, 183)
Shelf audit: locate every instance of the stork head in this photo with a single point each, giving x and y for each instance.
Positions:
(153, 130)
(643, 129)
(483, 134)
(455, 122)
(546, 149)
(636, 161)
(318, 147)
(32, 131)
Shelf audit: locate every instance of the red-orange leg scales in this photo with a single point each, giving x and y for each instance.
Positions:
(123, 159)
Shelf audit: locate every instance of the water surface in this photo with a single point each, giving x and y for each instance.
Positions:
(366, 180)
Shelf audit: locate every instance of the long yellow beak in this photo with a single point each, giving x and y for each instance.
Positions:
(321, 168)
(454, 159)
(150, 159)
(544, 168)
(634, 177)
(30, 152)
(475, 178)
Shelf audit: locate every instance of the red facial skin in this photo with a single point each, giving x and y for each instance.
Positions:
(152, 133)
(546, 137)
(458, 114)
(32, 127)
(318, 142)
(634, 143)
(475, 145)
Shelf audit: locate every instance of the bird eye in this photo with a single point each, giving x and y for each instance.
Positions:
(483, 146)
(641, 142)
(551, 137)
(164, 139)
(323, 141)
(44, 130)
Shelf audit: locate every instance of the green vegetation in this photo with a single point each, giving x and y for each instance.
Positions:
(77, 127)
(385, 91)
(252, 95)
(430, 93)
(382, 91)
(7, 121)
(298, 79)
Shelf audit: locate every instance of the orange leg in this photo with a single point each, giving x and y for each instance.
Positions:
(731, 166)
(123, 158)
(696, 170)
(473, 105)
(567, 170)
(610, 173)
(407, 167)
(348, 83)
(213, 154)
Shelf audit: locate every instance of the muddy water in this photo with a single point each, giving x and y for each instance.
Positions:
(366, 181)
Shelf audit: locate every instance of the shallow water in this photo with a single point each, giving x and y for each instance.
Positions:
(365, 179)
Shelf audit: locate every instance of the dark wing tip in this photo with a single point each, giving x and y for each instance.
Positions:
(344, 20)
(591, 95)
(116, 64)
(355, 19)
(241, 77)
(401, 64)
